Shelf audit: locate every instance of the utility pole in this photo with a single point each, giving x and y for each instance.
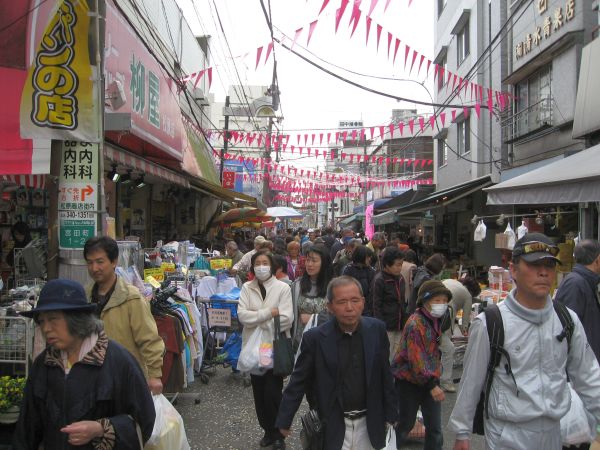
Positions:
(225, 141)
(275, 96)
(366, 166)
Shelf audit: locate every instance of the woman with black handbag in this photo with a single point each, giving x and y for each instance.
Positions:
(261, 301)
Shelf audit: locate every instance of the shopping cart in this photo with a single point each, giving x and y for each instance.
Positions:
(16, 345)
(221, 320)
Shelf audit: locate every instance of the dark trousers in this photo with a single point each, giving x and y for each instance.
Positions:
(267, 390)
(410, 397)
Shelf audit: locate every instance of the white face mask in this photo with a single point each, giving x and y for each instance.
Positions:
(262, 273)
(438, 310)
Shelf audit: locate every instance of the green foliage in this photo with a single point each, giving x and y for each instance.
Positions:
(11, 392)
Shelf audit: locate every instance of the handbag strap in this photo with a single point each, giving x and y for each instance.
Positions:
(277, 332)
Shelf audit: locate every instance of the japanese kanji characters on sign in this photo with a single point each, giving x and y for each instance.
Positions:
(77, 194)
(557, 18)
(59, 97)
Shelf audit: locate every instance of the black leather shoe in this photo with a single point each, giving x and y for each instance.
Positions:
(266, 441)
(278, 444)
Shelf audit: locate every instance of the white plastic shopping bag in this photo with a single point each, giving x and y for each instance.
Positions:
(390, 439)
(574, 426)
(522, 230)
(249, 361)
(168, 432)
(480, 232)
(512, 238)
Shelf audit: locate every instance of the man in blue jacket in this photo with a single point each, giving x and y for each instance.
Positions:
(345, 363)
(579, 290)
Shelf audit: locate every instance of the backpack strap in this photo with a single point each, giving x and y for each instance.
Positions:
(566, 321)
(495, 329)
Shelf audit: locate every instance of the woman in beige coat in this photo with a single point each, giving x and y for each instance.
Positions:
(261, 300)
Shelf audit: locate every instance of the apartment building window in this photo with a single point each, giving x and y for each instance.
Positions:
(462, 43)
(442, 152)
(463, 136)
(533, 103)
(441, 81)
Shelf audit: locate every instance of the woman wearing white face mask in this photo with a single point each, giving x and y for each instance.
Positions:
(261, 300)
(417, 366)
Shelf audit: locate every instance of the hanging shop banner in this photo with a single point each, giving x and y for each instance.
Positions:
(228, 179)
(58, 100)
(140, 88)
(77, 196)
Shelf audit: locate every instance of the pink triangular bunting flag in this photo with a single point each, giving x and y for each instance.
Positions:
(323, 6)
(372, 7)
(396, 50)
(311, 29)
(379, 29)
(258, 53)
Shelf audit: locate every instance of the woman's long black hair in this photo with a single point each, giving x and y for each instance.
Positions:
(325, 274)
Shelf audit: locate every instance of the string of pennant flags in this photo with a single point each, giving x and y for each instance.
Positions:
(413, 59)
(270, 166)
(379, 160)
(311, 144)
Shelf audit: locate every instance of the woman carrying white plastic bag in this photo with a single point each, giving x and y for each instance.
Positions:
(168, 432)
(261, 300)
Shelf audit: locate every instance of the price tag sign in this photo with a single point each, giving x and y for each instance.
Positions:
(167, 267)
(219, 317)
(152, 281)
(156, 273)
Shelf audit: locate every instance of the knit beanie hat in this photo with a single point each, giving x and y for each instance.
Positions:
(430, 289)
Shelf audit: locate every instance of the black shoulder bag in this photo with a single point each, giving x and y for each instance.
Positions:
(283, 354)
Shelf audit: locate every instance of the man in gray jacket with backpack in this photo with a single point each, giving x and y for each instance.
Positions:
(519, 354)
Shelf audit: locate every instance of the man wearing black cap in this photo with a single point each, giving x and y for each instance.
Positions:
(527, 398)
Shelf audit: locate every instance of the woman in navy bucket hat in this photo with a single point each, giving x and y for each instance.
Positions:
(84, 390)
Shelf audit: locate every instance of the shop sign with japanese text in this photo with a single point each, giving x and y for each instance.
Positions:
(228, 179)
(150, 96)
(78, 194)
(219, 317)
(551, 19)
(59, 98)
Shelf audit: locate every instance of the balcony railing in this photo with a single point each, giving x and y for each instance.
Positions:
(527, 121)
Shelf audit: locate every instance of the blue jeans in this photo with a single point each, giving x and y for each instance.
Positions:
(410, 398)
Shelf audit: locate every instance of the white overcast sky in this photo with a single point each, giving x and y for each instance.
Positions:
(311, 99)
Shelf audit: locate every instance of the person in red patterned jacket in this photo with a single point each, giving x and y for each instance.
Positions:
(417, 366)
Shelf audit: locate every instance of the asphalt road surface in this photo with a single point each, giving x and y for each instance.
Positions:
(225, 417)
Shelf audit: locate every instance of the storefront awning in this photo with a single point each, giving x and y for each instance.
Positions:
(353, 218)
(574, 179)
(406, 198)
(447, 196)
(30, 181)
(137, 163)
(220, 193)
(385, 218)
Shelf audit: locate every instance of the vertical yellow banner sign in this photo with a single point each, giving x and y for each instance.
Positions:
(58, 100)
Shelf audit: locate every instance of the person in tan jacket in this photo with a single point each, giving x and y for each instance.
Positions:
(126, 314)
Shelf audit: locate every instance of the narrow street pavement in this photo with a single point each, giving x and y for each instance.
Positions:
(225, 418)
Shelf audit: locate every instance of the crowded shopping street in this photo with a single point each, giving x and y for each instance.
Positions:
(305, 225)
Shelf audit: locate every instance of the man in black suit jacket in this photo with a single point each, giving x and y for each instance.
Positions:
(344, 366)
